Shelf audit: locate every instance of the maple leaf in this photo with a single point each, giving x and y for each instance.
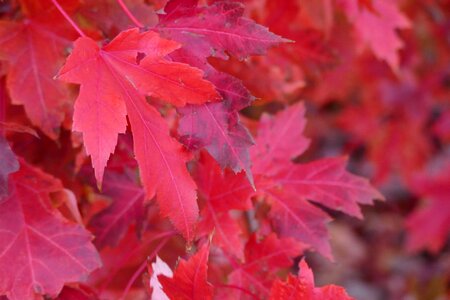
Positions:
(326, 181)
(111, 224)
(39, 249)
(189, 281)
(287, 186)
(216, 29)
(263, 259)
(216, 126)
(376, 27)
(8, 165)
(429, 225)
(272, 152)
(109, 78)
(293, 216)
(113, 83)
(302, 287)
(35, 51)
(222, 191)
(162, 165)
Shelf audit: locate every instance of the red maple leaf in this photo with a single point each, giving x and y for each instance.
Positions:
(113, 84)
(222, 191)
(376, 26)
(216, 29)
(35, 240)
(302, 287)
(216, 126)
(263, 259)
(34, 51)
(279, 140)
(287, 186)
(189, 281)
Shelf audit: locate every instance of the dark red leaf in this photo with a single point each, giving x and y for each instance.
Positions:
(39, 249)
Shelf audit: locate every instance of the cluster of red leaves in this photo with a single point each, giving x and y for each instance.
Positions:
(141, 149)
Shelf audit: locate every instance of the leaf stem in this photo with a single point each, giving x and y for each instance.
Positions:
(129, 14)
(67, 17)
(142, 268)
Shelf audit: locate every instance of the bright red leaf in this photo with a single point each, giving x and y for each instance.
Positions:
(263, 259)
(222, 192)
(110, 77)
(189, 281)
(302, 287)
(114, 82)
(162, 165)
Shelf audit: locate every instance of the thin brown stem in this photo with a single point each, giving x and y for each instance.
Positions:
(68, 18)
(129, 14)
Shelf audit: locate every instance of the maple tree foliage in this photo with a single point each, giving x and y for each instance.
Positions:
(201, 149)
